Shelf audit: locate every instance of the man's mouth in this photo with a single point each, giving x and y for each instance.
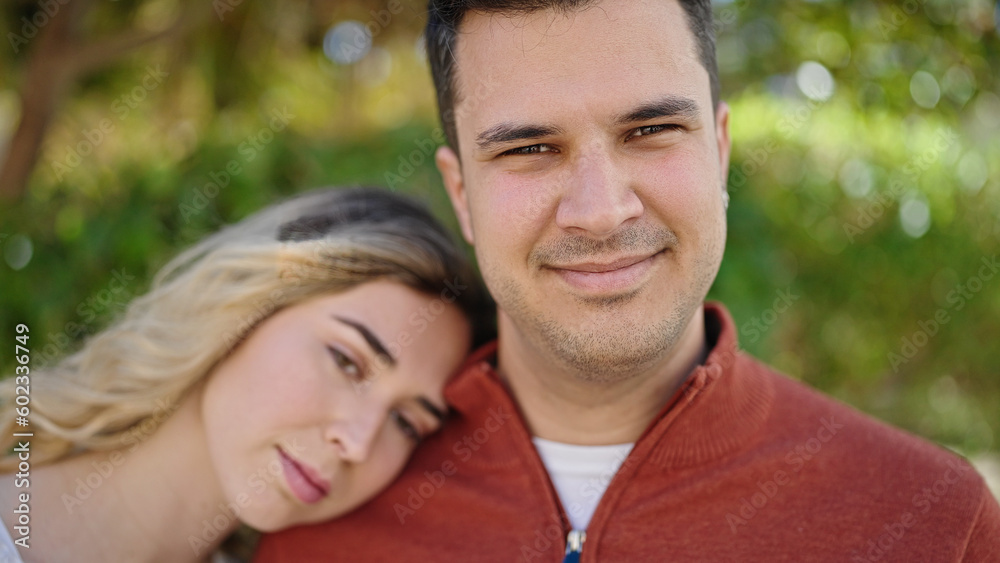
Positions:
(612, 276)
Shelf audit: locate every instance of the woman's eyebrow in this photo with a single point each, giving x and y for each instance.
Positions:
(380, 350)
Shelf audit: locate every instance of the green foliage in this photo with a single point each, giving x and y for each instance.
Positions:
(820, 275)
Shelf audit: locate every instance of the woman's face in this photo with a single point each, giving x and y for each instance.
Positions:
(321, 406)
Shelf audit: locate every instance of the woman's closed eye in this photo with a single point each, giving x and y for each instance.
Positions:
(408, 428)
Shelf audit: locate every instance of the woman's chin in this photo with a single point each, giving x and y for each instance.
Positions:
(266, 521)
(267, 525)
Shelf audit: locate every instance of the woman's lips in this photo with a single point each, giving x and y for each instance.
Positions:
(304, 481)
(613, 277)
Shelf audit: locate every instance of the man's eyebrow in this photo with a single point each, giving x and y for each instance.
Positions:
(380, 350)
(506, 132)
(432, 408)
(669, 106)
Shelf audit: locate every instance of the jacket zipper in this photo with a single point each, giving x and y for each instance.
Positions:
(574, 538)
(574, 545)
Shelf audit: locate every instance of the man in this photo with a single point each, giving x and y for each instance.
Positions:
(587, 159)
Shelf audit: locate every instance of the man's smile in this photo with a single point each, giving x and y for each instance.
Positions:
(611, 276)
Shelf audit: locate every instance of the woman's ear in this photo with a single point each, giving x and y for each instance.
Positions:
(451, 172)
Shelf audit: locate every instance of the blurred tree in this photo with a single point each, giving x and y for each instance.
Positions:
(61, 57)
(865, 177)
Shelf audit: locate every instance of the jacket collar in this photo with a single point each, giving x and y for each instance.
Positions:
(718, 410)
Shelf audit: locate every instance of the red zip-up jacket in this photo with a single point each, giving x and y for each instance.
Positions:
(741, 464)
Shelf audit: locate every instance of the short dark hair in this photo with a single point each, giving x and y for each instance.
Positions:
(445, 16)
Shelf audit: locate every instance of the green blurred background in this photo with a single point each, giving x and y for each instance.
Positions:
(865, 175)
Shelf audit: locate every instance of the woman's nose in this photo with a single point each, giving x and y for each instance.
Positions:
(355, 436)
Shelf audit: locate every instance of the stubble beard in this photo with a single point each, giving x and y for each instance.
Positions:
(614, 343)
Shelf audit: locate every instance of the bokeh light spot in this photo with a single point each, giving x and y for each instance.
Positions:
(924, 89)
(915, 215)
(855, 178)
(814, 81)
(17, 251)
(347, 42)
(972, 172)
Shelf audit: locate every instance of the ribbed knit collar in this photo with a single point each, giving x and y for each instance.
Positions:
(717, 411)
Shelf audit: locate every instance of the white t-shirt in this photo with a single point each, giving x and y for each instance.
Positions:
(580, 474)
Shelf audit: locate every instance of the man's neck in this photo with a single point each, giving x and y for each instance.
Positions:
(559, 405)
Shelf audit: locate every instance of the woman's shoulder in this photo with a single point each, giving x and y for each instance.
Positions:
(8, 551)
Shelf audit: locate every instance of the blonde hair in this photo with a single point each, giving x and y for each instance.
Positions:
(210, 297)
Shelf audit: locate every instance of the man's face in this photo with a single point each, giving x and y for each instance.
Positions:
(591, 179)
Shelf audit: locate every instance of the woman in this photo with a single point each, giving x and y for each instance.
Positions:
(278, 373)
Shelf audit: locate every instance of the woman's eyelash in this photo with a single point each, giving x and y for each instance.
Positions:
(354, 371)
(345, 363)
(406, 426)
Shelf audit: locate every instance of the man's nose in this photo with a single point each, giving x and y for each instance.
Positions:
(355, 435)
(597, 195)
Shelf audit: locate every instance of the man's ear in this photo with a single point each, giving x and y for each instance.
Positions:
(722, 138)
(451, 172)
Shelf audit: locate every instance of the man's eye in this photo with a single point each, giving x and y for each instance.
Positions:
(345, 363)
(407, 427)
(652, 130)
(532, 149)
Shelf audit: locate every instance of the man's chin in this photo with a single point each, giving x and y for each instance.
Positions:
(610, 356)
(617, 338)
(610, 301)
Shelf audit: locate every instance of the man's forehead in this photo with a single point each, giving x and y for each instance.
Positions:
(622, 52)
